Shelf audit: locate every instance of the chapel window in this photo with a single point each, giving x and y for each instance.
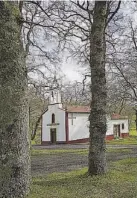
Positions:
(53, 118)
(123, 126)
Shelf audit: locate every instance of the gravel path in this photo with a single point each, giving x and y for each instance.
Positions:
(78, 146)
(62, 162)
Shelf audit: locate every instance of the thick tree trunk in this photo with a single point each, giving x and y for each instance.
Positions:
(14, 136)
(97, 158)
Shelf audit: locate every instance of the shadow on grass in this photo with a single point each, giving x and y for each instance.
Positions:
(119, 182)
(60, 179)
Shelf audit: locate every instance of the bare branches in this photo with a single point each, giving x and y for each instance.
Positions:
(38, 4)
(114, 12)
(133, 36)
(85, 6)
(72, 93)
(68, 24)
(83, 82)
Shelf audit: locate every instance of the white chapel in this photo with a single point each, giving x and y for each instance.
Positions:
(70, 125)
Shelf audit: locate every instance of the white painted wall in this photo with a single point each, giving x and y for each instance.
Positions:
(79, 129)
(59, 118)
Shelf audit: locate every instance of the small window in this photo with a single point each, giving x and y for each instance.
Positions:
(53, 118)
(122, 125)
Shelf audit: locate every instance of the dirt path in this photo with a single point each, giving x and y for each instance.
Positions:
(78, 146)
(62, 162)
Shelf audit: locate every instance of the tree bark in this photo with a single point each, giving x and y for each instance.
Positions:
(14, 128)
(97, 157)
(34, 132)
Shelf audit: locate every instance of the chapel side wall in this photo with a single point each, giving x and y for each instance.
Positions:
(111, 123)
(59, 118)
(80, 127)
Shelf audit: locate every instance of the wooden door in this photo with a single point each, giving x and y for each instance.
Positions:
(116, 130)
(53, 136)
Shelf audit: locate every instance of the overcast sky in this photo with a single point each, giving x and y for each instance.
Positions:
(71, 69)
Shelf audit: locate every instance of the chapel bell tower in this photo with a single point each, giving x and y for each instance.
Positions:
(55, 95)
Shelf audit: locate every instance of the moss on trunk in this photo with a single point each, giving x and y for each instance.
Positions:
(14, 137)
(97, 158)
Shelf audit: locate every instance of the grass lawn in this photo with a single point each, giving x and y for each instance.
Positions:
(58, 151)
(132, 140)
(119, 182)
(133, 132)
(75, 151)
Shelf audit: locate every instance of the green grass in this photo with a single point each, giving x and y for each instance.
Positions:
(33, 142)
(74, 151)
(119, 150)
(37, 139)
(124, 141)
(119, 182)
(133, 132)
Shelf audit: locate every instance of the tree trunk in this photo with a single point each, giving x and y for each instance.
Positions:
(14, 135)
(34, 132)
(97, 157)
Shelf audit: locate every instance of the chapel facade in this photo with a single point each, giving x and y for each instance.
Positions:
(70, 125)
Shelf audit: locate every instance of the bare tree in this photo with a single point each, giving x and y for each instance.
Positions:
(122, 60)
(74, 94)
(42, 56)
(81, 29)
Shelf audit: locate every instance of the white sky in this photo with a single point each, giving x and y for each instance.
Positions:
(71, 69)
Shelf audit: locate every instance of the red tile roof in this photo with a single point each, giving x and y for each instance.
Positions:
(117, 117)
(78, 109)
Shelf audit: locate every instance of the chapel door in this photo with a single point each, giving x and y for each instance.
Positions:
(53, 136)
(117, 130)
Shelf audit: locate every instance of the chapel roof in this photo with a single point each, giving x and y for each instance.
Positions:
(78, 109)
(116, 116)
